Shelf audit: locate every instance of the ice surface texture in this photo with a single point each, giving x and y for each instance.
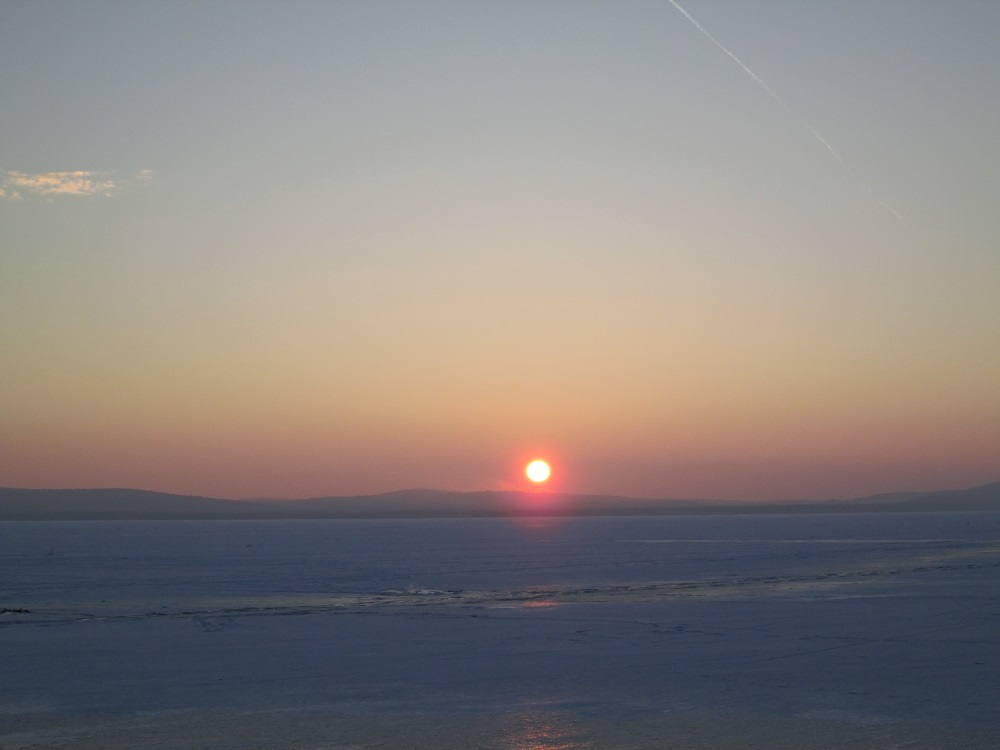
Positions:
(868, 630)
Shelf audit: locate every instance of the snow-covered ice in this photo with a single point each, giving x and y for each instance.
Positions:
(825, 631)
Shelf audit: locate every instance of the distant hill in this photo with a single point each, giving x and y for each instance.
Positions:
(127, 504)
(123, 504)
(110, 503)
(984, 497)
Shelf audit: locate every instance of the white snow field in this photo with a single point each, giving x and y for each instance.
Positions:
(778, 631)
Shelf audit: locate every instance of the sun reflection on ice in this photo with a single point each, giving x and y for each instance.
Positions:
(537, 731)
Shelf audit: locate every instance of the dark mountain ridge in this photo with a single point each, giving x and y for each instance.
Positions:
(129, 504)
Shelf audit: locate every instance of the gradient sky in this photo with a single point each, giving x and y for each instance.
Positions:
(298, 249)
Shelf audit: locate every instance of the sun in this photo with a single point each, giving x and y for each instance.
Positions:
(538, 471)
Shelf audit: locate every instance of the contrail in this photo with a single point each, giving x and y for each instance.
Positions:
(774, 95)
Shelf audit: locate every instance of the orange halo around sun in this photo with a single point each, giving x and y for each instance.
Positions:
(538, 471)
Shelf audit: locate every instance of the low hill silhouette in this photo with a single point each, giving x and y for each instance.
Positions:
(130, 504)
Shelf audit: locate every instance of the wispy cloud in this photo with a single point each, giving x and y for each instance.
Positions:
(16, 185)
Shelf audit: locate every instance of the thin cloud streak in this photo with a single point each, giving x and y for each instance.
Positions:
(774, 95)
(71, 183)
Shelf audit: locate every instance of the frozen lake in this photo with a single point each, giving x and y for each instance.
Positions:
(809, 631)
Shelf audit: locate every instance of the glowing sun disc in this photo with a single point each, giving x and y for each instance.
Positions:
(538, 470)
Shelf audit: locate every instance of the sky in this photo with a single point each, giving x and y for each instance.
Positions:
(745, 250)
